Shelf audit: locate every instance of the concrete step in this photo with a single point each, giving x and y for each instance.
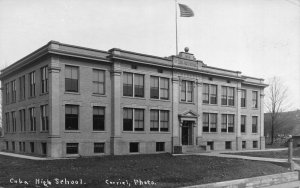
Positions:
(192, 149)
(294, 184)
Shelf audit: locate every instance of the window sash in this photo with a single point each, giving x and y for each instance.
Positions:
(72, 148)
(99, 147)
(32, 84)
(205, 93)
(243, 123)
(213, 94)
(138, 85)
(138, 120)
(128, 119)
(164, 88)
(164, 120)
(254, 124)
(127, 84)
(44, 79)
(71, 117)
(154, 87)
(189, 91)
(183, 90)
(254, 99)
(154, 120)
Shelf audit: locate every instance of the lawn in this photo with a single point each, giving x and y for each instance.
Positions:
(270, 154)
(162, 170)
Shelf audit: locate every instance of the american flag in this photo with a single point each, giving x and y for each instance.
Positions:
(185, 11)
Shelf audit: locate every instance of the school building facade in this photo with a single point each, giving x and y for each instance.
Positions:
(64, 100)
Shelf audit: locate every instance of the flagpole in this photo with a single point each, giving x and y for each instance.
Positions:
(176, 27)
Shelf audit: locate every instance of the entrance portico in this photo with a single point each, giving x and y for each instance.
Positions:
(188, 125)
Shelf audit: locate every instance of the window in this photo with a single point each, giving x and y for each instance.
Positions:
(209, 94)
(71, 117)
(254, 144)
(133, 147)
(6, 143)
(44, 118)
(243, 144)
(128, 89)
(71, 79)
(72, 148)
(44, 148)
(20, 146)
(127, 119)
(13, 91)
(154, 120)
(186, 91)
(254, 99)
(44, 79)
(230, 123)
(157, 83)
(159, 120)
(14, 121)
(227, 145)
(213, 94)
(22, 87)
(129, 124)
(24, 149)
(98, 82)
(160, 146)
(243, 98)
(230, 96)
(32, 119)
(32, 84)
(127, 84)
(7, 93)
(164, 121)
(227, 96)
(209, 122)
(254, 124)
(227, 123)
(205, 94)
(13, 145)
(32, 147)
(98, 118)
(211, 145)
(138, 119)
(154, 87)
(7, 122)
(243, 123)
(99, 147)
(224, 96)
(138, 85)
(164, 88)
(22, 120)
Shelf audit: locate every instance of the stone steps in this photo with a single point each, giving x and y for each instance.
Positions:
(283, 180)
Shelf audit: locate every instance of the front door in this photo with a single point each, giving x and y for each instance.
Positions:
(186, 136)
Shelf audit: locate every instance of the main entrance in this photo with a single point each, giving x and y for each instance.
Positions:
(186, 133)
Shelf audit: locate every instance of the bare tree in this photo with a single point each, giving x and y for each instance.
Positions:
(276, 102)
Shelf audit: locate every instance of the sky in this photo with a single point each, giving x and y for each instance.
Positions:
(260, 38)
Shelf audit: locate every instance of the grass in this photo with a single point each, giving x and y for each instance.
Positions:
(270, 154)
(164, 170)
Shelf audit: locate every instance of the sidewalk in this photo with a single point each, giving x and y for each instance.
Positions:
(226, 154)
(29, 157)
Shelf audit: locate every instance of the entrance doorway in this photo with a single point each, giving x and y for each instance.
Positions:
(186, 133)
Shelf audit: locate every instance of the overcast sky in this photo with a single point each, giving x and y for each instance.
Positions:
(260, 38)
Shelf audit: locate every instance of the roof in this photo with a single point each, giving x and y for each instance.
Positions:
(183, 62)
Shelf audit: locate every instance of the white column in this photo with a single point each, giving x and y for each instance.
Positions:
(238, 118)
(262, 137)
(175, 102)
(116, 109)
(199, 110)
(54, 146)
